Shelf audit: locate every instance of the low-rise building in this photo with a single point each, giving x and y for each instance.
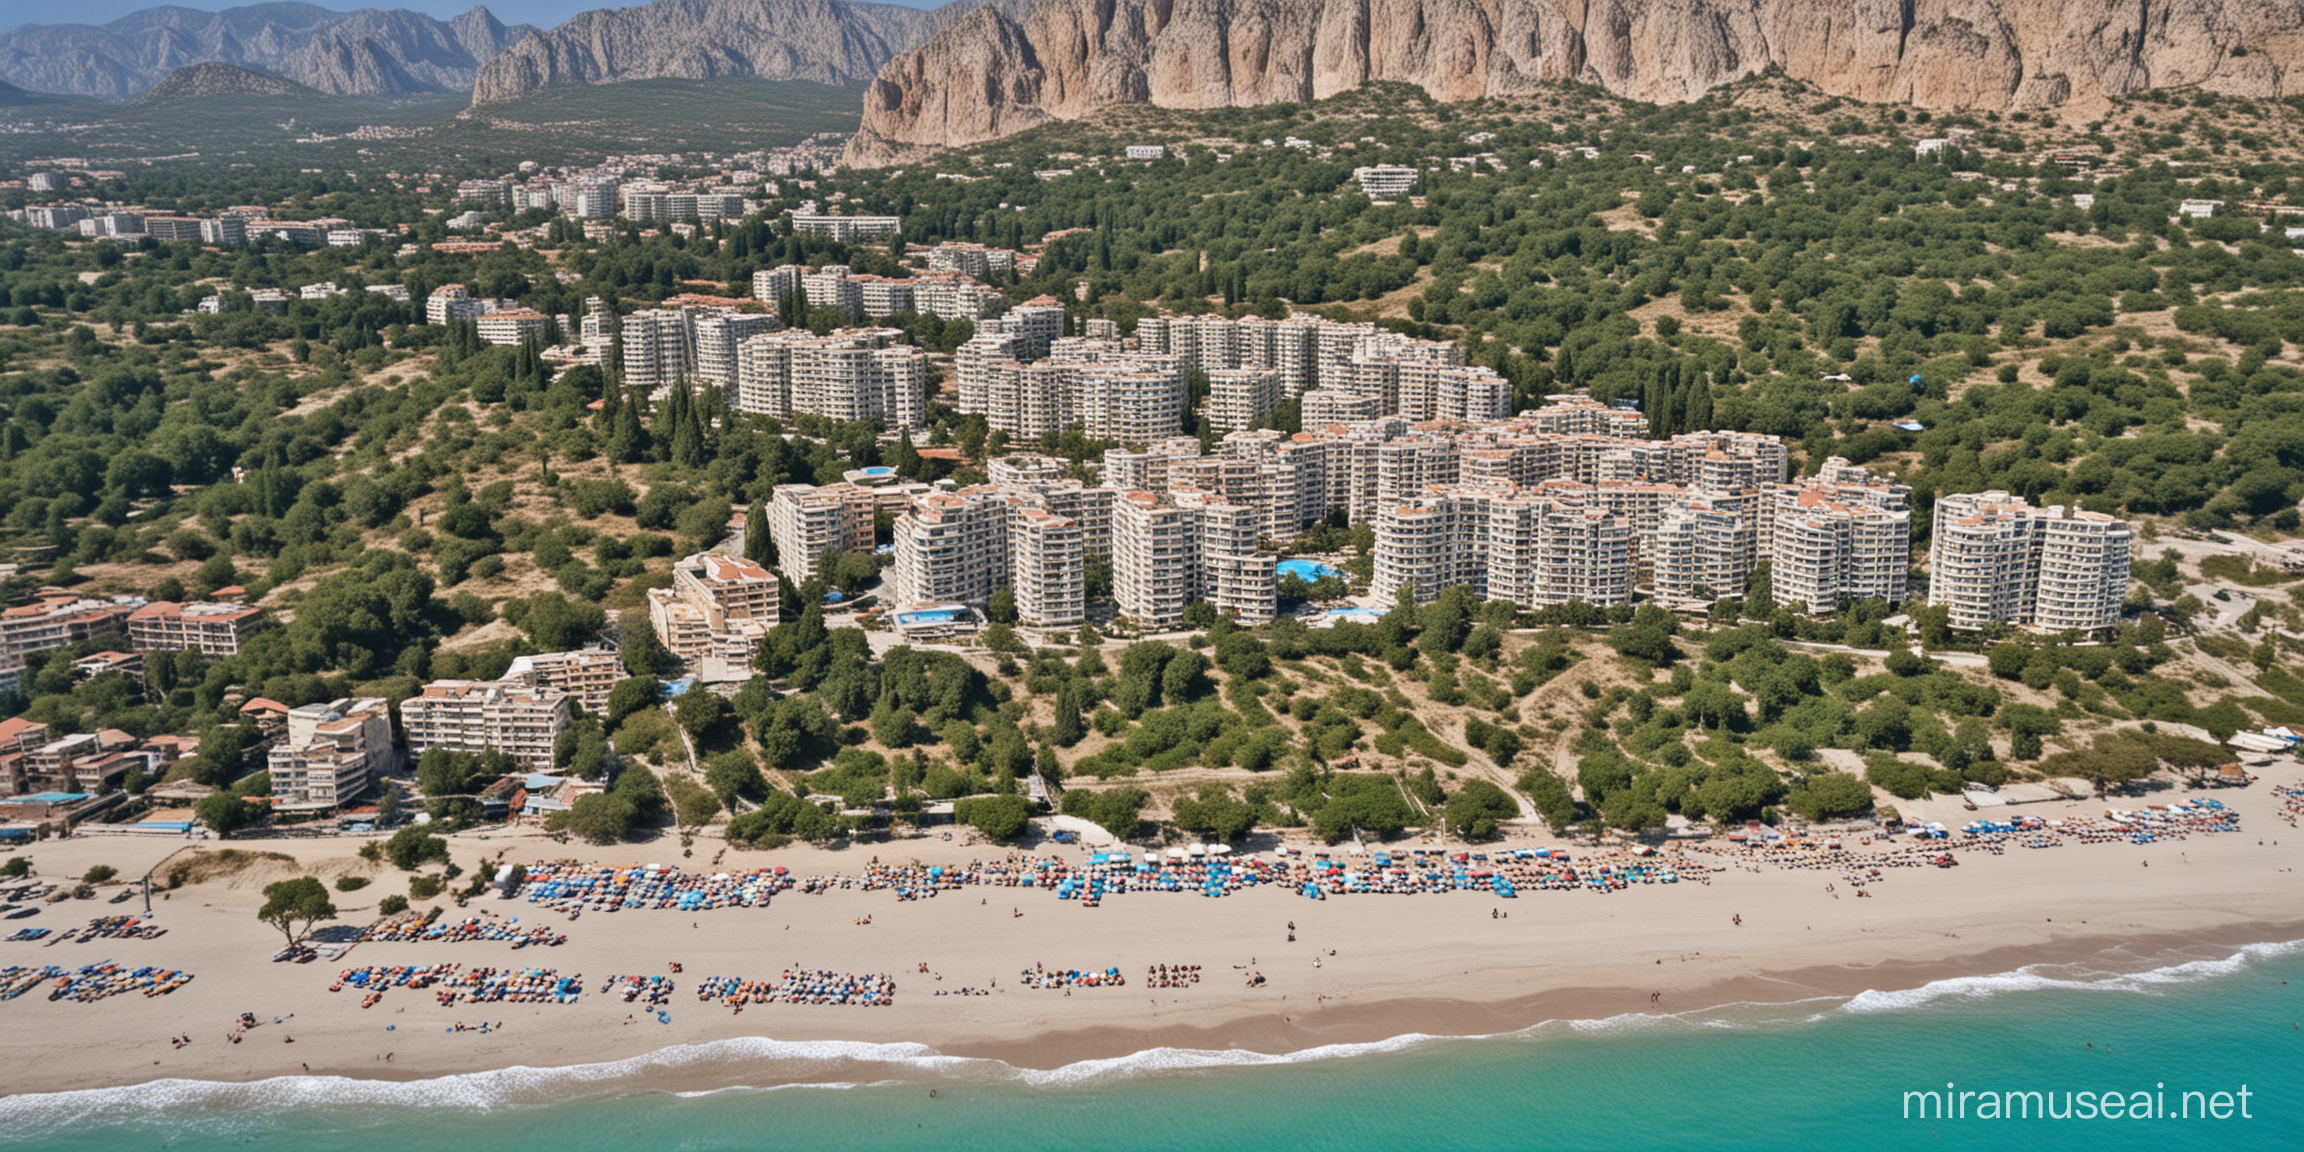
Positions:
(716, 614)
(207, 627)
(332, 753)
(845, 229)
(57, 619)
(589, 675)
(477, 716)
(511, 327)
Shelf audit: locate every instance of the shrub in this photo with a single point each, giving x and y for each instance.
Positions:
(351, 883)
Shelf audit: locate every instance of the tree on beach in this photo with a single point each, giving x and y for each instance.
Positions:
(294, 906)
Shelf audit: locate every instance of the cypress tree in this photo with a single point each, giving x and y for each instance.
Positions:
(758, 547)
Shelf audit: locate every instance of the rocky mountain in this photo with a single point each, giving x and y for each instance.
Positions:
(1009, 65)
(216, 79)
(372, 52)
(826, 41)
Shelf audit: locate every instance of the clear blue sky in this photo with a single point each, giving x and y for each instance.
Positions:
(542, 13)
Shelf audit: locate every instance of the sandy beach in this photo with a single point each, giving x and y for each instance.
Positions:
(1362, 968)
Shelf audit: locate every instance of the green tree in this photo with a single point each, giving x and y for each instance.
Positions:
(223, 812)
(759, 545)
(1215, 814)
(1478, 809)
(642, 653)
(412, 847)
(294, 906)
(632, 695)
(1550, 795)
(1830, 796)
(1000, 818)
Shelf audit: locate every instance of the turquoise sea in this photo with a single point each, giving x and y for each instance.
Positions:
(1792, 1075)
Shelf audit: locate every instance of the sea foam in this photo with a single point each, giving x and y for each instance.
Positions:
(2069, 977)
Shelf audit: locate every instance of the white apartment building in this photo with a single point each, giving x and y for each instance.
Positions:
(1147, 151)
(951, 547)
(807, 522)
(953, 296)
(511, 327)
(331, 754)
(832, 287)
(1155, 562)
(1701, 553)
(476, 716)
(1241, 397)
(59, 620)
(1034, 323)
(1383, 180)
(1034, 536)
(1990, 560)
(1047, 567)
(659, 348)
(974, 260)
(775, 284)
(1531, 548)
(845, 229)
(452, 302)
(853, 374)
(719, 335)
(2084, 558)
(1169, 552)
(1329, 406)
(716, 613)
(588, 675)
(1135, 400)
(1823, 551)
(690, 338)
(212, 629)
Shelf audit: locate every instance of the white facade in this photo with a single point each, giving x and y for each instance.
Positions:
(1384, 180)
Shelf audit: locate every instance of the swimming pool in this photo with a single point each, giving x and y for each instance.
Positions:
(940, 616)
(1356, 615)
(1306, 570)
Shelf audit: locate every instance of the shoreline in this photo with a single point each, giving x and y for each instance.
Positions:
(1276, 1034)
(1364, 970)
(693, 1068)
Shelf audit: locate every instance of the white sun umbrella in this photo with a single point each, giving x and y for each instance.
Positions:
(1176, 854)
(1197, 849)
(1221, 849)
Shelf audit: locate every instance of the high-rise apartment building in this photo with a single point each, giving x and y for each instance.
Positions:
(808, 522)
(1994, 557)
(852, 374)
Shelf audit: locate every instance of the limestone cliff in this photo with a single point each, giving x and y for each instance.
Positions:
(1006, 67)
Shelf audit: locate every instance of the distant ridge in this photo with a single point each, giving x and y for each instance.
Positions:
(371, 52)
(214, 80)
(825, 41)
